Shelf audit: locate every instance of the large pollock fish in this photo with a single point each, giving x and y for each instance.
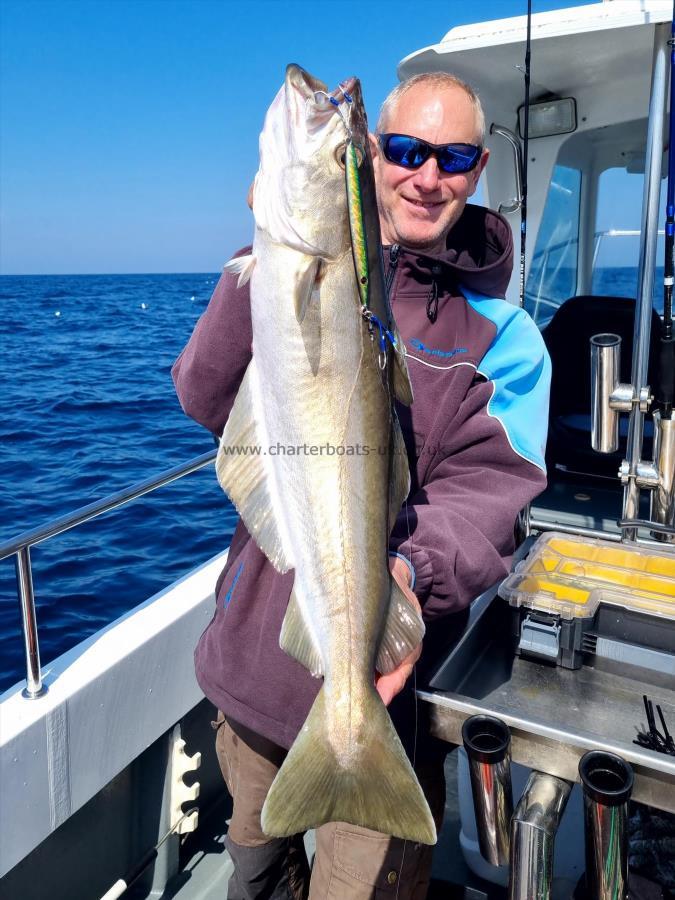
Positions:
(323, 378)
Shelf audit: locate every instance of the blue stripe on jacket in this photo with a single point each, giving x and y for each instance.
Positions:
(518, 365)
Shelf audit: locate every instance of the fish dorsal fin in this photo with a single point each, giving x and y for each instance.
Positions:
(402, 387)
(306, 272)
(243, 477)
(242, 266)
(403, 631)
(296, 639)
(399, 483)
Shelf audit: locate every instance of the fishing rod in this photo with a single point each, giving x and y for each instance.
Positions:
(123, 884)
(523, 528)
(526, 137)
(665, 387)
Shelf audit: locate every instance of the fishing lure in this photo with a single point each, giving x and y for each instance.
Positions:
(356, 222)
(353, 157)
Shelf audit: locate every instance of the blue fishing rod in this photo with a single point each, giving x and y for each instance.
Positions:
(526, 137)
(665, 387)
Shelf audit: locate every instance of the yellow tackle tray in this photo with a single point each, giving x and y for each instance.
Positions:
(569, 576)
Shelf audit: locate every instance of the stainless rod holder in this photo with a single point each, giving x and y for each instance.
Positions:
(533, 830)
(24, 579)
(663, 495)
(607, 782)
(487, 741)
(605, 369)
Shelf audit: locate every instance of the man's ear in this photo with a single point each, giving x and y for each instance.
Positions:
(482, 162)
(374, 146)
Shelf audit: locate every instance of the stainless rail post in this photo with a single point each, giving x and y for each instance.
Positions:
(533, 830)
(647, 260)
(19, 547)
(608, 781)
(24, 582)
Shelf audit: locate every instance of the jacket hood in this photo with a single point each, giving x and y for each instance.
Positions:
(479, 254)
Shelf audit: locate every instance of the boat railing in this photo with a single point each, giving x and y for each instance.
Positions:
(20, 547)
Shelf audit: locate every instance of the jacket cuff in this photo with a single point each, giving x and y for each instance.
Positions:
(420, 562)
(411, 568)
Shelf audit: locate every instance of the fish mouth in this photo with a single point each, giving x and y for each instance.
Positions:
(307, 85)
(346, 99)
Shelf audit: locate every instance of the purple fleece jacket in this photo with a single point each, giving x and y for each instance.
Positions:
(475, 436)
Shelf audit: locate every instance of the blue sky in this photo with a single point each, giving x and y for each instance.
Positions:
(129, 128)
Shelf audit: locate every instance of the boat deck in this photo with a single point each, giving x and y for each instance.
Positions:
(207, 866)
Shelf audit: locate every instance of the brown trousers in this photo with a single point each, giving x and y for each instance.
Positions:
(351, 863)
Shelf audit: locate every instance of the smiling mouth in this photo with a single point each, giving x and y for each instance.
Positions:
(423, 204)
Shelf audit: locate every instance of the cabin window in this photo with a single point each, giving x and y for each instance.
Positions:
(553, 273)
(616, 248)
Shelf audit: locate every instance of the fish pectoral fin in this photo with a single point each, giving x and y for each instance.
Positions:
(242, 475)
(306, 273)
(402, 386)
(242, 266)
(403, 631)
(375, 787)
(399, 485)
(296, 639)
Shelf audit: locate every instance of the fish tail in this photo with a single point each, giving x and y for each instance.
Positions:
(376, 789)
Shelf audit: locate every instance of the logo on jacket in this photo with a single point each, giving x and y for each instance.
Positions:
(431, 351)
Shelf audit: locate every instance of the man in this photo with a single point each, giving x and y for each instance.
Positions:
(475, 437)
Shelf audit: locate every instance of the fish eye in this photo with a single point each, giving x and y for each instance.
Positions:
(340, 153)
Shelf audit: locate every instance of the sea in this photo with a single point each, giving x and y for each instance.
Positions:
(87, 408)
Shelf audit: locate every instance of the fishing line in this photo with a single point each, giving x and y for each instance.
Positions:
(414, 677)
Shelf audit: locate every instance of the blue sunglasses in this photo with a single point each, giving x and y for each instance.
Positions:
(411, 153)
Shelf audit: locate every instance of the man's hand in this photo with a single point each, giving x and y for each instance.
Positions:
(388, 686)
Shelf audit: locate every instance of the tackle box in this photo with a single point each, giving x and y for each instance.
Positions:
(575, 597)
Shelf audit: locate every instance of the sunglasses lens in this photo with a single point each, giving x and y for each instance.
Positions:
(405, 151)
(458, 157)
(411, 153)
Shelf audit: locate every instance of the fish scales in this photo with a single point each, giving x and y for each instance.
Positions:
(332, 473)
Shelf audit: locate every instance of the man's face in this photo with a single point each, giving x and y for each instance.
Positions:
(419, 206)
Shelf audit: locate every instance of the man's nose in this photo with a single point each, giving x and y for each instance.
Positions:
(426, 176)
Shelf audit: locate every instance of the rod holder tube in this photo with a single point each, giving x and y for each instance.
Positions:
(487, 741)
(663, 495)
(533, 830)
(607, 782)
(605, 371)
(24, 579)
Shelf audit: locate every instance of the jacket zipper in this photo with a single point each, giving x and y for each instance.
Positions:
(394, 252)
